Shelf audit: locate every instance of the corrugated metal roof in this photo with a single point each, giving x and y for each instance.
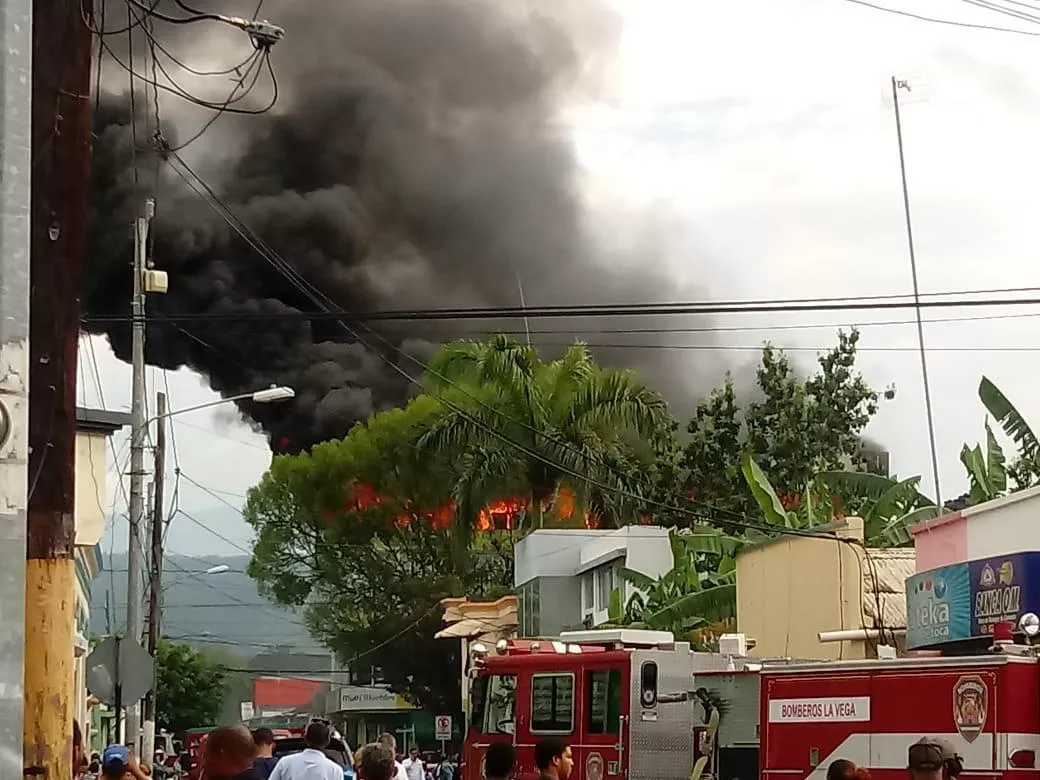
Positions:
(889, 569)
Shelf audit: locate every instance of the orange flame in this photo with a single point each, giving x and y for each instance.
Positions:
(497, 515)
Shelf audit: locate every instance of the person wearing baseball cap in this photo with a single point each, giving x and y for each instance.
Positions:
(117, 763)
(933, 758)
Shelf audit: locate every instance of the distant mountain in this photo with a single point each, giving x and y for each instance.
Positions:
(205, 610)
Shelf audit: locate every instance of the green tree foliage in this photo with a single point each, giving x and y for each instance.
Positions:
(794, 429)
(561, 418)
(190, 688)
(362, 533)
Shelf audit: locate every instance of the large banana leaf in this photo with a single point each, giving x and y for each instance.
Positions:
(637, 579)
(978, 475)
(883, 491)
(764, 495)
(896, 532)
(709, 605)
(1010, 419)
(705, 539)
(996, 470)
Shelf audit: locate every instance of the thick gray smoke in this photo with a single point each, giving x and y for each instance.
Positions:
(416, 159)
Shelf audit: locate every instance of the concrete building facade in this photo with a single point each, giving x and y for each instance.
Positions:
(564, 577)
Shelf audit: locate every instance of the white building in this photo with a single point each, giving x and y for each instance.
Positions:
(564, 577)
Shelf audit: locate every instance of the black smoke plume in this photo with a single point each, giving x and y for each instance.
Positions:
(416, 158)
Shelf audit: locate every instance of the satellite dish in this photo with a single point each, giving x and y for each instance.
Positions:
(1029, 624)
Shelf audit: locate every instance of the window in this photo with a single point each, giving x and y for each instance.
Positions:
(528, 608)
(603, 701)
(588, 593)
(552, 703)
(501, 705)
(603, 587)
(477, 703)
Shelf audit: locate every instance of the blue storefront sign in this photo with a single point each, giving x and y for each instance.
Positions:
(938, 606)
(1003, 588)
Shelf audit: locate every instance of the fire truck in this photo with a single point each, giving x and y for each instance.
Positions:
(638, 705)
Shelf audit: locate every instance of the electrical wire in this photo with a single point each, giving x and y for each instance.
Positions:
(1003, 10)
(646, 310)
(935, 20)
(180, 92)
(254, 63)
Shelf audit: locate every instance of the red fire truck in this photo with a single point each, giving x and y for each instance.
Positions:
(638, 705)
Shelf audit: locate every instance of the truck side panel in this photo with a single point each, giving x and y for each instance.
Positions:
(872, 717)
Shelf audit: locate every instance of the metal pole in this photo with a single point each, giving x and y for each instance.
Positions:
(135, 566)
(119, 693)
(15, 161)
(155, 571)
(898, 84)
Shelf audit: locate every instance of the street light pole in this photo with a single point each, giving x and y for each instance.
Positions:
(138, 430)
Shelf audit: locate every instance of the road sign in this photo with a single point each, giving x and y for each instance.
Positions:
(442, 726)
(134, 667)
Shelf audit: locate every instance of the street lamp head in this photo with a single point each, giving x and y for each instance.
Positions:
(218, 569)
(273, 394)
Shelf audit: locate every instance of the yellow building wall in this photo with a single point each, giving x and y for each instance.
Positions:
(790, 589)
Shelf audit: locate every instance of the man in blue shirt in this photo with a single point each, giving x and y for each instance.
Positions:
(265, 759)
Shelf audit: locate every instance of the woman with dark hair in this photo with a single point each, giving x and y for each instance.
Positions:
(842, 769)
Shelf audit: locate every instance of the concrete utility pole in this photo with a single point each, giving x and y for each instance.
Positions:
(138, 432)
(61, 124)
(155, 570)
(15, 162)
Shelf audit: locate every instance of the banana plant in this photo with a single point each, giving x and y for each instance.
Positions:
(1024, 471)
(889, 507)
(698, 591)
(987, 473)
(810, 507)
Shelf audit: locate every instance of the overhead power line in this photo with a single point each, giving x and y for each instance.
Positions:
(935, 20)
(851, 303)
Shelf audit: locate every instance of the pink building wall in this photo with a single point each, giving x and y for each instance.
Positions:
(941, 541)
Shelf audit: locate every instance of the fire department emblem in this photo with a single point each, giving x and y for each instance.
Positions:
(594, 767)
(970, 703)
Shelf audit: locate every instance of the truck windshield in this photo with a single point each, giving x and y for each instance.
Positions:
(494, 704)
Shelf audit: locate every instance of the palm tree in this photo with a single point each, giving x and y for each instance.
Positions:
(518, 426)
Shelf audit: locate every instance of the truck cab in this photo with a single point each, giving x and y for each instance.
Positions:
(620, 698)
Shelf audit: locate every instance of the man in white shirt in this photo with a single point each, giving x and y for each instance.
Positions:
(312, 763)
(389, 741)
(414, 766)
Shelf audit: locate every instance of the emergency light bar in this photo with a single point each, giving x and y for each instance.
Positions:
(631, 637)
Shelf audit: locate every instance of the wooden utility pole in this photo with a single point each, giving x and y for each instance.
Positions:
(61, 119)
(155, 568)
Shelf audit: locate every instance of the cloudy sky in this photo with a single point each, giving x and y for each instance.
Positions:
(759, 136)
